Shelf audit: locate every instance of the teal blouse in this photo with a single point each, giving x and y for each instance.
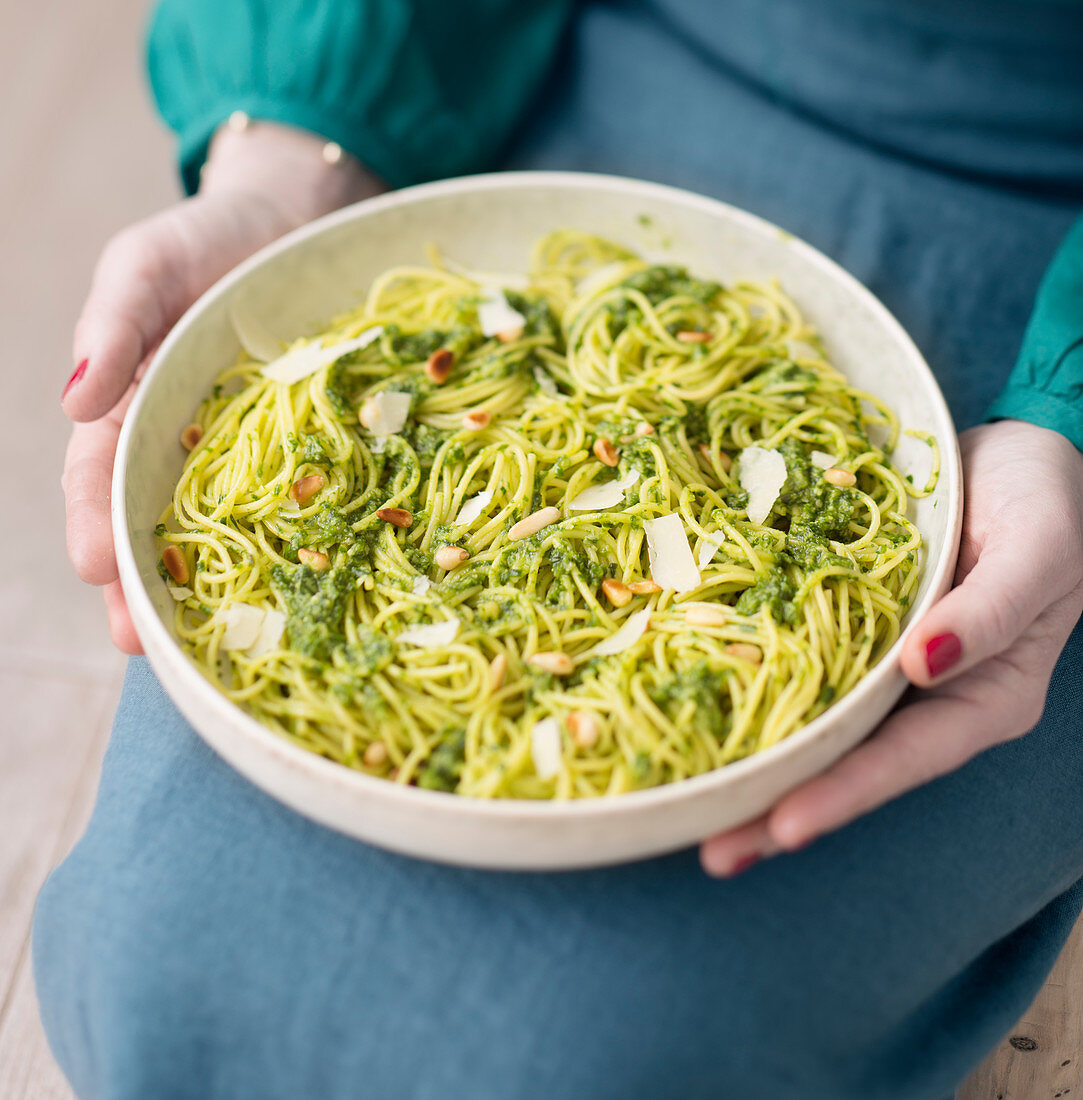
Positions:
(427, 89)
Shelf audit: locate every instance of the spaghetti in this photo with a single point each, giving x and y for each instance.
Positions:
(606, 527)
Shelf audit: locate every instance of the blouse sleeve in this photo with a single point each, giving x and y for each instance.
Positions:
(415, 89)
(1046, 386)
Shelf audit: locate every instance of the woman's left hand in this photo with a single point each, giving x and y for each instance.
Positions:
(982, 656)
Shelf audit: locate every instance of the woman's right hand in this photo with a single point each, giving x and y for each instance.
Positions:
(259, 183)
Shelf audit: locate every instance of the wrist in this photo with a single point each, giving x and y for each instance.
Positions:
(286, 166)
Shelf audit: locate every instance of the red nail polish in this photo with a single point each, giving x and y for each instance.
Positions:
(745, 862)
(76, 375)
(941, 653)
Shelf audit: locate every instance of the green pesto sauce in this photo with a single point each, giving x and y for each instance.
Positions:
(657, 284)
(316, 602)
(313, 449)
(782, 374)
(818, 509)
(427, 441)
(703, 686)
(563, 557)
(444, 767)
(660, 282)
(813, 512)
(402, 349)
(775, 592)
(540, 320)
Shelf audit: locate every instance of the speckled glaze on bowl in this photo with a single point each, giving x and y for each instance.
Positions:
(490, 222)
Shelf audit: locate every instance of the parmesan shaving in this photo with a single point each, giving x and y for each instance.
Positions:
(545, 748)
(707, 550)
(270, 634)
(243, 623)
(431, 636)
(607, 495)
(672, 565)
(303, 361)
(822, 459)
(260, 344)
(179, 592)
(421, 585)
(473, 508)
(388, 412)
(495, 314)
(762, 473)
(633, 628)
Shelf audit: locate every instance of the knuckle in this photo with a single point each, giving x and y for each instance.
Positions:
(127, 250)
(84, 558)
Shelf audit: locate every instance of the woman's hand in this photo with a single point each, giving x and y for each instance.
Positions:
(258, 184)
(982, 656)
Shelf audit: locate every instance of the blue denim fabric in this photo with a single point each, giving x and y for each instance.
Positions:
(204, 942)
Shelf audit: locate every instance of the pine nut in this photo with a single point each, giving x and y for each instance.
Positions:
(510, 335)
(552, 661)
(498, 667)
(842, 478)
(724, 461)
(375, 755)
(398, 517)
(643, 428)
(439, 366)
(583, 727)
(477, 421)
(605, 452)
(305, 488)
(744, 651)
(616, 592)
(690, 336)
(533, 523)
(176, 566)
(705, 615)
(447, 557)
(316, 560)
(644, 588)
(191, 436)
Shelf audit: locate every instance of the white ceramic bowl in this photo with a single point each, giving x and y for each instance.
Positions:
(489, 222)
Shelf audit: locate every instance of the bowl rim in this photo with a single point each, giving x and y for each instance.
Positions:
(266, 742)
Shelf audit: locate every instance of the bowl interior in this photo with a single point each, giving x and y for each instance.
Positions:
(490, 223)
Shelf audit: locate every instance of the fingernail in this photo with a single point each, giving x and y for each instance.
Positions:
(76, 375)
(941, 653)
(745, 862)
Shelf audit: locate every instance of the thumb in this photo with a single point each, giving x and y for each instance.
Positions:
(1014, 579)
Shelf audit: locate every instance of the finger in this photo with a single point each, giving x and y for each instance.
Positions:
(1017, 575)
(734, 852)
(121, 627)
(88, 472)
(127, 311)
(922, 741)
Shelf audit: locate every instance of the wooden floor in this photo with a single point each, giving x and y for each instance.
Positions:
(83, 156)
